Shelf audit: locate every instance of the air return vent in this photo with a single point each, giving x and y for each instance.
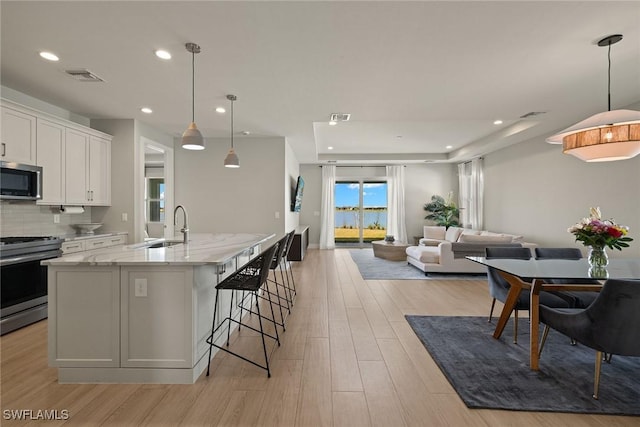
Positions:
(84, 75)
(340, 117)
(532, 114)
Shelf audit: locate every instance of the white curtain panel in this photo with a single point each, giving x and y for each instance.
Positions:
(396, 225)
(471, 185)
(476, 194)
(463, 196)
(327, 208)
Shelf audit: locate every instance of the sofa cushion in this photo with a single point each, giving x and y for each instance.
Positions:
(434, 232)
(429, 242)
(452, 234)
(514, 238)
(470, 238)
(468, 231)
(426, 254)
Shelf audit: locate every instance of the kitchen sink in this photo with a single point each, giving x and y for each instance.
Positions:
(165, 244)
(160, 244)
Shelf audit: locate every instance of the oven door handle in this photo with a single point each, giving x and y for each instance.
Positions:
(31, 257)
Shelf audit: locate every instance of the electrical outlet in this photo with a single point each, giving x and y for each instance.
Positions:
(125, 217)
(277, 215)
(316, 213)
(141, 287)
(56, 218)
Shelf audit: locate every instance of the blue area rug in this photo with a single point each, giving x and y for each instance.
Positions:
(373, 268)
(495, 374)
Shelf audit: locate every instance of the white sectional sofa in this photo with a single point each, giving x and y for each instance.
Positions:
(444, 250)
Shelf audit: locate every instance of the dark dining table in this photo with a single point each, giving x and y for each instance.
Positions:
(531, 274)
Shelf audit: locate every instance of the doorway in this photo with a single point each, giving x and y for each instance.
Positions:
(155, 206)
(360, 212)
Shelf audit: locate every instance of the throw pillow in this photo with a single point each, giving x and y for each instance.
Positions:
(452, 234)
(435, 232)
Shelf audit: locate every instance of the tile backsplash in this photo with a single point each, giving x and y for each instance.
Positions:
(29, 219)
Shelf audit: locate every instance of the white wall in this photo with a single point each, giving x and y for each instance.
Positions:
(421, 182)
(221, 199)
(292, 170)
(126, 171)
(533, 189)
(122, 176)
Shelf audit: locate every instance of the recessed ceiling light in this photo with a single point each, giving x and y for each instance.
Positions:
(146, 110)
(163, 54)
(49, 56)
(449, 147)
(332, 123)
(497, 122)
(329, 148)
(246, 132)
(220, 110)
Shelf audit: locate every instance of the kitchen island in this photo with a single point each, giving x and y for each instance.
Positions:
(140, 313)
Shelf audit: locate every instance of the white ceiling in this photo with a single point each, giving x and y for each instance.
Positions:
(415, 76)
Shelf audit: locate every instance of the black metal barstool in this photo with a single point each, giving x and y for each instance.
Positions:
(276, 263)
(249, 278)
(291, 285)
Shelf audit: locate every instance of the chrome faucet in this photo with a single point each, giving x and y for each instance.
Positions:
(185, 229)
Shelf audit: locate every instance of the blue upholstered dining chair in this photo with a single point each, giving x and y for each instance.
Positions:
(608, 325)
(581, 299)
(499, 287)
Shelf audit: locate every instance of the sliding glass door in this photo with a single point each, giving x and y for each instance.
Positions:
(360, 212)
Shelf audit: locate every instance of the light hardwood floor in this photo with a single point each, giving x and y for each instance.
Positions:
(348, 358)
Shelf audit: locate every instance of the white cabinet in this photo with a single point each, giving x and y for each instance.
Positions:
(75, 159)
(18, 137)
(100, 170)
(88, 169)
(50, 144)
(156, 329)
(84, 320)
(90, 243)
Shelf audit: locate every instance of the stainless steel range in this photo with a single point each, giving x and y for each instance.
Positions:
(23, 281)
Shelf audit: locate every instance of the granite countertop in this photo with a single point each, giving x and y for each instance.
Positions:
(216, 249)
(75, 236)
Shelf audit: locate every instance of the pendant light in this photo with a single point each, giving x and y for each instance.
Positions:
(607, 136)
(231, 161)
(192, 138)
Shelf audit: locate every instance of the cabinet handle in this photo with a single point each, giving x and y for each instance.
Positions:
(72, 246)
(88, 195)
(4, 149)
(115, 240)
(98, 243)
(92, 195)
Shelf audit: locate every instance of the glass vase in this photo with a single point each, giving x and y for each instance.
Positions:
(598, 257)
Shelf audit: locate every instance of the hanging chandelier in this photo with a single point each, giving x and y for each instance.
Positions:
(608, 136)
(192, 138)
(231, 161)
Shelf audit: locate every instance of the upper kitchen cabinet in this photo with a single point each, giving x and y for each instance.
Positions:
(88, 169)
(100, 170)
(75, 159)
(51, 156)
(18, 136)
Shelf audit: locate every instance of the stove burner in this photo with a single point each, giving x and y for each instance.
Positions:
(24, 239)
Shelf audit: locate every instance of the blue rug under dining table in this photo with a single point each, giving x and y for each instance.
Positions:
(494, 373)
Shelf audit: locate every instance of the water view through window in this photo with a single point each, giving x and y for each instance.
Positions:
(360, 212)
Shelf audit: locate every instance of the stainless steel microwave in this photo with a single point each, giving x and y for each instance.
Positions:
(20, 182)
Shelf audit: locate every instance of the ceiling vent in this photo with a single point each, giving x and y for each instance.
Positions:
(340, 117)
(84, 75)
(532, 114)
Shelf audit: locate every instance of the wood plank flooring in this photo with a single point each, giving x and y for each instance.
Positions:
(348, 358)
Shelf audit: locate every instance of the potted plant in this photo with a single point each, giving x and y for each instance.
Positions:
(443, 212)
